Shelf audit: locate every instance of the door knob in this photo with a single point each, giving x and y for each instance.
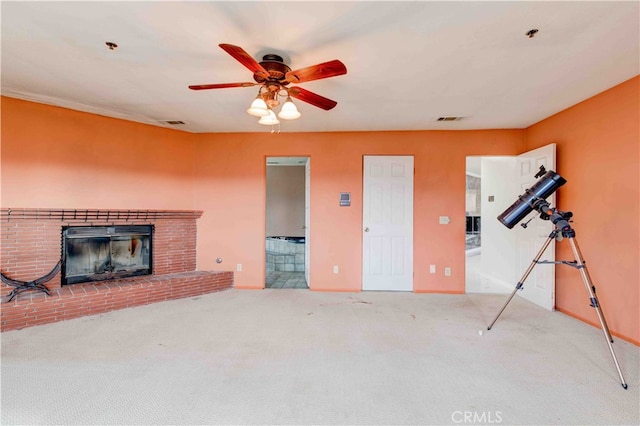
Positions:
(366, 229)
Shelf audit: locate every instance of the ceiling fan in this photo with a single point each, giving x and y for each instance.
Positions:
(273, 76)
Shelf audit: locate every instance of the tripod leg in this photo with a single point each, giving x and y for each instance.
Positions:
(594, 302)
(535, 260)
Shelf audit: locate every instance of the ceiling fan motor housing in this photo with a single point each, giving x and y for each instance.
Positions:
(276, 67)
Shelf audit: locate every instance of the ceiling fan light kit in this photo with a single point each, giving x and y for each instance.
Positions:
(289, 110)
(273, 75)
(258, 107)
(267, 99)
(270, 119)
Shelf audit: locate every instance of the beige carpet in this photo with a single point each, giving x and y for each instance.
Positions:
(302, 357)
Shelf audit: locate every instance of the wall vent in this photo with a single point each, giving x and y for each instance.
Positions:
(174, 122)
(450, 118)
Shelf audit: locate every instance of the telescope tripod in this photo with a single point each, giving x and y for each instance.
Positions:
(560, 220)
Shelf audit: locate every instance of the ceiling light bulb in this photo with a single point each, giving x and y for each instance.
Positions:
(258, 107)
(289, 111)
(269, 120)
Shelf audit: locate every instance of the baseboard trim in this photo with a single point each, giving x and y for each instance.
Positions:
(597, 325)
(440, 291)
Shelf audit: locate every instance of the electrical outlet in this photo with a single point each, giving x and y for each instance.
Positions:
(447, 271)
(239, 267)
(432, 269)
(335, 269)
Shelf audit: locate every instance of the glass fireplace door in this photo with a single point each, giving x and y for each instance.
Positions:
(103, 253)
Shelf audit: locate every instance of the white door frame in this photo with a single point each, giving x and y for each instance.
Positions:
(307, 220)
(297, 160)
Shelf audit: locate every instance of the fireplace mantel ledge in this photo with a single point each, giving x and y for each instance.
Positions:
(10, 213)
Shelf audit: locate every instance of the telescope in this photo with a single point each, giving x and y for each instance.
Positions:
(534, 198)
(530, 200)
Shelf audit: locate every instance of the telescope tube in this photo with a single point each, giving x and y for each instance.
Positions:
(547, 185)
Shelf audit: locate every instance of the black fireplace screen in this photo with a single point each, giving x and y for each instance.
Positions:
(96, 253)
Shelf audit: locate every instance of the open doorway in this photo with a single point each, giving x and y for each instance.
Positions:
(495, 255)
(488, 269)
(287, 222)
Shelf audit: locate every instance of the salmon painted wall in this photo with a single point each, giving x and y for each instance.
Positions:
(598, 144)
(55, 157)
(58, 158)
(231, 190)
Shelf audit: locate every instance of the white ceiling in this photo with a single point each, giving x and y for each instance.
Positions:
(408, 62)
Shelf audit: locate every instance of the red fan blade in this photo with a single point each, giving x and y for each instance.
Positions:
(316, 72)
(245, 59)
(220, 86)
(312, 98)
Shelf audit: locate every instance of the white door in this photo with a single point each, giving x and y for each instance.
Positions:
(307, 200)
(539, 287)
(387, 218)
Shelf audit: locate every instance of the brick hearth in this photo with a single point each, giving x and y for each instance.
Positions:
(31, 246)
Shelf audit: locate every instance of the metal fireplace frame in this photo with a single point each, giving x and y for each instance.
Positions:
(111, 233)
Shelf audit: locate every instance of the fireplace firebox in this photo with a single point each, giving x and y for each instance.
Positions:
(97, 253)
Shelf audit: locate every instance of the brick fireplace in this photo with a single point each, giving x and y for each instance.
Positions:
(32, 244)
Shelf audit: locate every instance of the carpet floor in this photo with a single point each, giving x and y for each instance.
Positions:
(282, 356)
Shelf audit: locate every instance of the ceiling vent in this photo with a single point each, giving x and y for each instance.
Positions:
(174, 122)
(451, 118)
